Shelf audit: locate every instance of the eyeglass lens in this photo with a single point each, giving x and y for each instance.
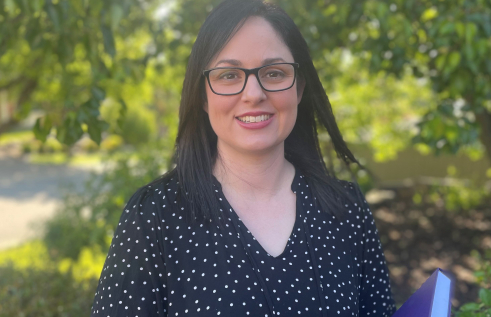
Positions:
(272, 78)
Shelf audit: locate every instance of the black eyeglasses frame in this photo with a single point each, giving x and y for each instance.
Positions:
(248, 72)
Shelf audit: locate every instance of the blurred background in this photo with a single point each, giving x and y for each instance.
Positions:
(89, 94)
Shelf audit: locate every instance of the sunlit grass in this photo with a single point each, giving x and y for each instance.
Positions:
(63, 158)
(16, 137)
(86, 159)
(48, 158)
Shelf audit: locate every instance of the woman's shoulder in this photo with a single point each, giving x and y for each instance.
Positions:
(350, 186)
(356, 194)
(355, 204)
(160, 194)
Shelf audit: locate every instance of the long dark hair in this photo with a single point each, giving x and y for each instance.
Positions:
(196, 143)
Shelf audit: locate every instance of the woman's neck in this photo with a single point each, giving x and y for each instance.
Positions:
(261, 174)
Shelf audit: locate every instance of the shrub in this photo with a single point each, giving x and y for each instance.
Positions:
(111, 143)
(482, 307)
(32, 284)
(455, 197)
(43, 293)
(138, 126)
(88, 218)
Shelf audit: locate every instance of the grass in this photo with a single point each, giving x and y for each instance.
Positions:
(16, 137)
(48, 158)
(56, 156)
(62, 158)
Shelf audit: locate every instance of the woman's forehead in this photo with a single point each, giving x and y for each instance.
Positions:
(256, 43)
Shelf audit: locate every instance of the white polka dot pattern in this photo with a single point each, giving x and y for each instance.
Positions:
(159, 265)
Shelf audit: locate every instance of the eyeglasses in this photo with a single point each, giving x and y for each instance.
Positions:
(228, 81)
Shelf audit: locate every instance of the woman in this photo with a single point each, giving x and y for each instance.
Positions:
(249, 223)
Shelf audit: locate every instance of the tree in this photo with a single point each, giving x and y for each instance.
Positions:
(64, 56)
(447, 42)
(68, 46)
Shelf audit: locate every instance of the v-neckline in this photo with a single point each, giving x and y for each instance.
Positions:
(291, 238)
(297, 223)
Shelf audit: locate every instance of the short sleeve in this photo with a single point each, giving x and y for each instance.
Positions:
(376, 296)
(133, 279)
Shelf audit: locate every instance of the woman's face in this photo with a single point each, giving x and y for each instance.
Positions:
(254, 45)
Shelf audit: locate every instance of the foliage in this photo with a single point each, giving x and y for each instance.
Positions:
(30, 255)
(482, 307)
(446, 42)
(50, 145)
(399, 72)
(457, 195)
(60, 56)
(33, 285)
(111, 143)
(137, 127)
(35, 255)
(43, 293)
(88, 218)
(377, 110)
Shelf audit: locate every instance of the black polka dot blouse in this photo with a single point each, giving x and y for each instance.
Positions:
(159, 265)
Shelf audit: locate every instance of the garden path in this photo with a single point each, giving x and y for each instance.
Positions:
(30, 193)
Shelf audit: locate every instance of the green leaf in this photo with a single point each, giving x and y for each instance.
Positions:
(453, 60)
(429, 14)
(95, 133)
(69, 132)
(470, 32)
(10, 6)
(470, 307)
(53, 15)
(447, 27)
(108, 39)
(95, 129)
(469, 51)
(37, 5)
(487, 26)
(460, 28)
(98, 93)
(116, 15)
(122, 113)
(84, 115)
(485, 296)
(440, 62)
(42, 128)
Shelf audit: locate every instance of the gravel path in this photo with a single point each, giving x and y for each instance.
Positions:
(29, 194)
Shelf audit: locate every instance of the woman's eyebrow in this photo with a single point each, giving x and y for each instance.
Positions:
(229, 61)
(237, 63)
(273, 60)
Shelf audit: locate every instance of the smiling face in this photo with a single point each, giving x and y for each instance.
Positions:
(254, 121)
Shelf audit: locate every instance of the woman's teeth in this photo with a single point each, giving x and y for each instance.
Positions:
(249, 119)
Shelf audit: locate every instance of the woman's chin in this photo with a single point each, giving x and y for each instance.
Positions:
(260, 148)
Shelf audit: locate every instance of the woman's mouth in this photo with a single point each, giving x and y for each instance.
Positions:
(251, 119)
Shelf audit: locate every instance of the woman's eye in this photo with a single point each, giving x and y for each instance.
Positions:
(275, 74)
(228, 76)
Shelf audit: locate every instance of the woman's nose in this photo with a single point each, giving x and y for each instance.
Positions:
(253, 91)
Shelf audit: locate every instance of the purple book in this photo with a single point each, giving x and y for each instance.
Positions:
(432, 299)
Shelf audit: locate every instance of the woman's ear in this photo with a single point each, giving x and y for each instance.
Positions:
(300, 88)
(205, 107)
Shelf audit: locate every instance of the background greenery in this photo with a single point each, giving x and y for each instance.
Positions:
(106, 76)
